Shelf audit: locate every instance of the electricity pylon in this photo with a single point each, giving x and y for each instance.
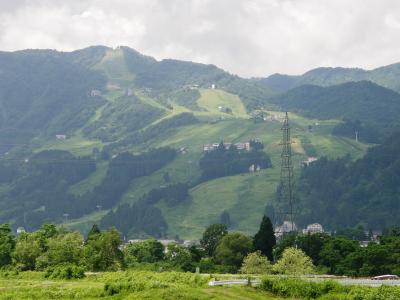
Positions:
(286, 189)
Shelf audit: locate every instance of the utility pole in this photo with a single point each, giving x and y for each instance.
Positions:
(286, 195)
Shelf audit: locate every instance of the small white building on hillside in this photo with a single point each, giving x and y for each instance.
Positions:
(20, 230)
(61, 136)
(313, 228)
(286, 227)
(308, 161)
(95, 93)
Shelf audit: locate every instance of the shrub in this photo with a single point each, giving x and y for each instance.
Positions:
(65, 272)
(326, 290)
(291, 287)
(232, 248)
(294, 262)
(139, 281)
(255, 263)
(148, 251)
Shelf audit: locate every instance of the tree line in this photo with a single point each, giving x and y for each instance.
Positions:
(340, 255)
(52, 249)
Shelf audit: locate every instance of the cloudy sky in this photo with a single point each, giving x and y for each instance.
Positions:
(245, 37)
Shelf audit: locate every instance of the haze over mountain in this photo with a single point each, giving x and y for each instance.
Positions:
(386, 76)
(119, 138)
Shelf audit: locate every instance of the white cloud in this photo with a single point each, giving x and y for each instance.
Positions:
(247, 37)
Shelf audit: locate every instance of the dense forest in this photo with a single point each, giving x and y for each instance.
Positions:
(143, 218)
(40, 185)
(340, 193)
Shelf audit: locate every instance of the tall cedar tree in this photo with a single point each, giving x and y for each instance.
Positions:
(265, 240)
(93, 232)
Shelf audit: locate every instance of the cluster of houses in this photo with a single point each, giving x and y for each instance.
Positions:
(315, 228)
(274, 118)
(288, 226)
(260, 116)
(214, 146)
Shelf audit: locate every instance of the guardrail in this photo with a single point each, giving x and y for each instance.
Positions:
(234, 282)
(368, 282)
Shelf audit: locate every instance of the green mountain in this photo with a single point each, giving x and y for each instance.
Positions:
(43, 93)
(340, 193)
(366, 107)
(386, 76)
(115, 137)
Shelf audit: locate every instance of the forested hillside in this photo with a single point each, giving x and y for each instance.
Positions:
(386, 76)
(117, 138)
(367, 108)
(43, 93)
(341, 193)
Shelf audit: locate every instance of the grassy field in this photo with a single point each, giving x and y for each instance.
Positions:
(243, 197)
(114, 66)
(76, 144)
(211, 100)
(144, 285)
(140, 285)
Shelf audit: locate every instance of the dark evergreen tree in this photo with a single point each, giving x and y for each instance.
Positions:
(95, 230)
(226, 218)
(7, 245)
(265, 240)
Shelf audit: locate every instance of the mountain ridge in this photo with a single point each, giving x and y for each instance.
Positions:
(326, 76)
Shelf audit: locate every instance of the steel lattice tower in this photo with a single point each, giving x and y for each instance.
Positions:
(287, 197)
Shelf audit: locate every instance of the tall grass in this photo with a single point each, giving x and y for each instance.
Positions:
(326, 290)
